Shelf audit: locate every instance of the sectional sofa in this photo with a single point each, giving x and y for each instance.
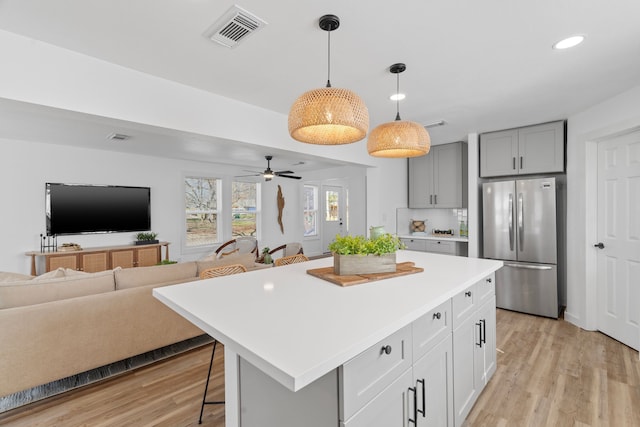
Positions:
(67, 322)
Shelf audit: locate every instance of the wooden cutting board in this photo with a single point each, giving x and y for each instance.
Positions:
(326, 273)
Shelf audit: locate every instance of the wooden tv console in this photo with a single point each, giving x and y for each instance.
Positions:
(102, 258)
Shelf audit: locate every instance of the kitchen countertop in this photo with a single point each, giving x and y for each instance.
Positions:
(432, 237)
(296, 327)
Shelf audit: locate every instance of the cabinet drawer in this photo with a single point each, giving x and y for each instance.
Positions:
(389, 408)
(464, 305)
(442, 247)
(486, 288)
(367, 374)
(431, 328)
(415, 244)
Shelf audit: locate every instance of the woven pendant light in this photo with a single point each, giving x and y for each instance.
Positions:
(328, 116)
(400, 138)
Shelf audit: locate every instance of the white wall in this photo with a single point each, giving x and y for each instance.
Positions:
(612, 116)
(26, 166)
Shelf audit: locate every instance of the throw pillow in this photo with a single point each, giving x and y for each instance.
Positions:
(54, 274)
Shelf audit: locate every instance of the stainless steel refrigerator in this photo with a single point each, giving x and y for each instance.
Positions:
(520, 226)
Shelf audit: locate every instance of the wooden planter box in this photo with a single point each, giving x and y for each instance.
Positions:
(347, 265)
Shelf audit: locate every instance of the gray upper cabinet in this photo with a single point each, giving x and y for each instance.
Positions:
(527, 150)
(439, 179)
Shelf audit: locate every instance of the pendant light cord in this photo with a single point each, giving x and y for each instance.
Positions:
(329, 58)
(397, 96)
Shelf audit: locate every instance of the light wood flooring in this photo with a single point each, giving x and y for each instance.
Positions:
(550, 373)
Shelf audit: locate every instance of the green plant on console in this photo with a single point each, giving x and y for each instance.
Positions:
(166, 262)
(360, 245)
(146, 235)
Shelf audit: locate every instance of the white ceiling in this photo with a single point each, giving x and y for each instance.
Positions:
(478, 65)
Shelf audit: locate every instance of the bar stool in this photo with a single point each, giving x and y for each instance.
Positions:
(209, 273)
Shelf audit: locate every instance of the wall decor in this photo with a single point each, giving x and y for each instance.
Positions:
(280, 208)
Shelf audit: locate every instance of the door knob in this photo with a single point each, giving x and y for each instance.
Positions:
(599, 245)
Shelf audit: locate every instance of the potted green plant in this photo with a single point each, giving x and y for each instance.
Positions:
(146, 238)
(359, 255)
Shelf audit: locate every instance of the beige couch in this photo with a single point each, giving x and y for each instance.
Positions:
(65, 322)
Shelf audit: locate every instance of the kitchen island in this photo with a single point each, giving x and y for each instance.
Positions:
(303, 351)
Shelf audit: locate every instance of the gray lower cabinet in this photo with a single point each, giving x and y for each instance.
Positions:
(528, 150)
(439, 179)
(437, 246)
(428, 373)
(474, 344)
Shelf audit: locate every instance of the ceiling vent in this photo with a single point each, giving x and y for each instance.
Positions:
(118, 137)
(234, 26)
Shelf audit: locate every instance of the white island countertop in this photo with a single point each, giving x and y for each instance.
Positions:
(296, 327)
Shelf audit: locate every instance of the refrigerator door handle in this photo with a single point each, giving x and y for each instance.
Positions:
(511, 221)
(520, 222)
(529, 267)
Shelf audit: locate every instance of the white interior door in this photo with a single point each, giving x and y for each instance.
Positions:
(333, 215)
(618, 245)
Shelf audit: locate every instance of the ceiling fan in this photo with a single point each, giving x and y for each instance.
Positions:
(268, 174)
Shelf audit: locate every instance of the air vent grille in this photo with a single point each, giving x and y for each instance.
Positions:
(234, 26)
(118, 137)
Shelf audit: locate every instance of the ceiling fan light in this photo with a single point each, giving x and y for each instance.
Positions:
(328, 116)
(399, 138)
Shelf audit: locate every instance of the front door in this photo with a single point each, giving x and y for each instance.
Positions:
(618, 246)
(333, 217)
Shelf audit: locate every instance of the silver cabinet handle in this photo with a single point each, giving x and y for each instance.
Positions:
(529, 267)
(435, 199)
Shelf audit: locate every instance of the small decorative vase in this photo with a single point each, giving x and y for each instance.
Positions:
(375, 232)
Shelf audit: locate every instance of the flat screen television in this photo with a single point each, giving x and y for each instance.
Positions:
(80, 208)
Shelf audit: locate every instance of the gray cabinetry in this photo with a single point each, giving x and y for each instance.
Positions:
(438, 180)
(527, 150)
(474, 344)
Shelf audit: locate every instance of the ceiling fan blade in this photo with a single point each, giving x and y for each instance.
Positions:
(256, 172)
(281, 172)
(253, 174)
(289, 176)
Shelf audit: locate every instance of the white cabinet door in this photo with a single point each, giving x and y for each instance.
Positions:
(433, 378)
(390, 408)
(486, 353)
(370, 372)
(466, 387)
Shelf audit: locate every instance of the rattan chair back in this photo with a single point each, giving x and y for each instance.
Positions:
(292, 259)
(223, 270)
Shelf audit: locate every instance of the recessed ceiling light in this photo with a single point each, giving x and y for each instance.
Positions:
(569, 42)
(397, 97)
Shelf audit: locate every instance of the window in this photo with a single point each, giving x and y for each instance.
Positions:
(310, 210)
(244, 208)
(331, 205)
(201, 211)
